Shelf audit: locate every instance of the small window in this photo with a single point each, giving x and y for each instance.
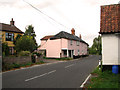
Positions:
(65, 52)
(77, 43)
(9, 36)
(78, 52)
(71, 42)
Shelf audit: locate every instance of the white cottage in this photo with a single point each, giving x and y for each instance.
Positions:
(110, 32)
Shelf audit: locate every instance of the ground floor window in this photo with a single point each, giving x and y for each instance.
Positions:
(65, 52)
(11, 50)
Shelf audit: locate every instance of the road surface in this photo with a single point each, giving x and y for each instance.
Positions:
(69, 74)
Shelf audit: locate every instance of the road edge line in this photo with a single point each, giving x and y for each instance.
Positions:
(85, 81)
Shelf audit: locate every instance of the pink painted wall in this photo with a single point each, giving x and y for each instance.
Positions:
(54, 47)
(43, 44)
(64, 43)
(81, 47)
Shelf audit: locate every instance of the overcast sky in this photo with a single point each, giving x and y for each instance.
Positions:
(83, 15)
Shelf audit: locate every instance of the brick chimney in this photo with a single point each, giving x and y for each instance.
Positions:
(80, 36)
(12, 22)
(73, 31)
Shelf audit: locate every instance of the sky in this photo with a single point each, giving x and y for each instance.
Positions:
(82, 15)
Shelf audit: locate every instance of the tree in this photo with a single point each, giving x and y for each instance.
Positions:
(30, 32)
(96, 48)
(25, 43)
(17, 37)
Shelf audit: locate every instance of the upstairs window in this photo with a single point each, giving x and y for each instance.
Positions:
(71, 42)
(77, 43)
(9, 36)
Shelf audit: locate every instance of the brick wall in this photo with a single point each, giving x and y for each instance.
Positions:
(18, 60)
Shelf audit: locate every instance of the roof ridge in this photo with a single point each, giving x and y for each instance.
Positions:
(64, 34)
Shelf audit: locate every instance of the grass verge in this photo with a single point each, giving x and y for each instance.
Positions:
(104, 79)
(64, 58)
(7, 67)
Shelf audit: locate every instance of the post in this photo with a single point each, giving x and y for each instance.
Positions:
(71, 54)
(67, 53)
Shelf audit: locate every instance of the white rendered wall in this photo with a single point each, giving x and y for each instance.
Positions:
(110, 49)
(119, 49)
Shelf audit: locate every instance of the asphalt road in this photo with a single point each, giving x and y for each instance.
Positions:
(70, 74)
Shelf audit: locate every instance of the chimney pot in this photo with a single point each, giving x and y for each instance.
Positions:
(73, 31)
(80, 36)
(12, 22)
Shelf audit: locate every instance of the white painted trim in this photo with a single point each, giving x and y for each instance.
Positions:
(64, 48)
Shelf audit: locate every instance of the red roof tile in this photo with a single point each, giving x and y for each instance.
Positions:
(110, 19)
(10, 28)
(47, 37)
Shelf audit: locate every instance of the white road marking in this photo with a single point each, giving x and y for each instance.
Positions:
(69, 66)
(40, 75)
(51, 71)
(85, 81)
(35, 77)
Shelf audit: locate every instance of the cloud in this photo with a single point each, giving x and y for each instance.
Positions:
(8, 2)
(48, 3)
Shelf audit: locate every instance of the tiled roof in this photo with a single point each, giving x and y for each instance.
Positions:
(66, 35)
(110, 19)
(10, 28)
(47, 37)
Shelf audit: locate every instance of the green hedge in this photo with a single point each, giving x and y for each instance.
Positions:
(24, 53)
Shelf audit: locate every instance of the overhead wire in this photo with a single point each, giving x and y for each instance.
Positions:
(46, 15)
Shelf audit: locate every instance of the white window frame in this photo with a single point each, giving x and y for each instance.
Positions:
(77, 43)
(71, 42)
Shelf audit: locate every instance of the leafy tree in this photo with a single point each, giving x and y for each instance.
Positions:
(17, 37)
(96, 48)
(30, 32)
(5, 49)
(25, 43)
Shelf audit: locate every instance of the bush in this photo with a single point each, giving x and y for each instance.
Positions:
(16, 65)
(24, 53)
(5, 49)
(6, 66)
(38, 54)
(25, 43)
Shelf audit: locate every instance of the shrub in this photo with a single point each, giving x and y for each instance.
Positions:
(38, 54)
(6, 66)
(5, 48)
(25, 43)
(24, 53)
(16, 65)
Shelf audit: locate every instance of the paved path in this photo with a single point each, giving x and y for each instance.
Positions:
(70, 74)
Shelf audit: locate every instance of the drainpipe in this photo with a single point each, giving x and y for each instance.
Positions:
(61, 48)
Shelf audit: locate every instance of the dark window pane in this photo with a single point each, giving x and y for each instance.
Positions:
(9, 36)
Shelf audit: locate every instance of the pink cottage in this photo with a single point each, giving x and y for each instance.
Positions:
(63, 44)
